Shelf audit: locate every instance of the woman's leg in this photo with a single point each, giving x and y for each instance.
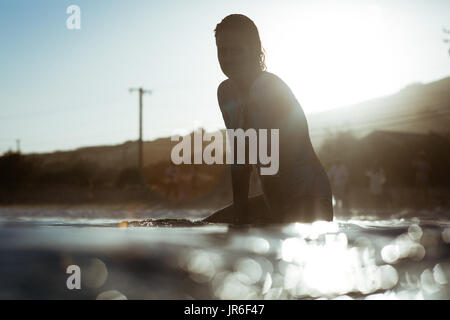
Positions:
(309, 209)
(302, 209)
(224, 215)
(257, 212)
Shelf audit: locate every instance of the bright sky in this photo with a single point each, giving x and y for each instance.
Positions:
(63, 89)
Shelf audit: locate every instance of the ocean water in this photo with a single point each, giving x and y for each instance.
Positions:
(131, 255)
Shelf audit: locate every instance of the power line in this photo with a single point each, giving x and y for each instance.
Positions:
(52, 111)
(315, 132)
(399, 117)
(385, 123)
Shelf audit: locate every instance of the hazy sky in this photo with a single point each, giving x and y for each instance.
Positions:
(62, 89)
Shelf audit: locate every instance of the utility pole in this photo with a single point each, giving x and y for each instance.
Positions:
(140, 153)
(18, 145)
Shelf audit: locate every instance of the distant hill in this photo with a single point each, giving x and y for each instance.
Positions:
(119, 156)
(418, 108)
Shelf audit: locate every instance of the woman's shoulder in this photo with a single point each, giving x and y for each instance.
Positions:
(269, 86)
(225, 91)
(266, 87)
(274, 81)
(224, 85)
(263, 80)
(268, 77)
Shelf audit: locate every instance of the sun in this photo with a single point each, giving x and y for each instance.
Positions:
(331, 58)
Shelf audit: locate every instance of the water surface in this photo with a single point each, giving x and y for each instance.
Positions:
(124, 254)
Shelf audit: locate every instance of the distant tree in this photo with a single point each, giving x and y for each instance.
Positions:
(341, 145)
(129, 177)
(16, 169)
(78, 173)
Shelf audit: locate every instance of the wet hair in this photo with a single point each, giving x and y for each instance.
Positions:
(246, 27)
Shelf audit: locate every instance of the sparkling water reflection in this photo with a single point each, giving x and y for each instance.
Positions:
(357, 259)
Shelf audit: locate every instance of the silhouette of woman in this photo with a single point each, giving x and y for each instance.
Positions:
(254, 98)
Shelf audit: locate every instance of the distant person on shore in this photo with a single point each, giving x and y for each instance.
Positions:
(422, 179)
(339, 176)
(377, 180)
(254, 98)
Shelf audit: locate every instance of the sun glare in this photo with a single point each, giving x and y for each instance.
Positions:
(331, 58)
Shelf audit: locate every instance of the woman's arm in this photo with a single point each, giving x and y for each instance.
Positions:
(240, 173)
(240, 181)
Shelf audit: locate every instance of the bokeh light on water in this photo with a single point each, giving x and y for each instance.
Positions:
(329, 268)
(357, 259)
(446, 235)
(111, 295)
(406, 245)
(95, 273)
(316, 261)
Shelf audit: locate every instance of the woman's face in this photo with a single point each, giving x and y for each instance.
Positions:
(236, 57)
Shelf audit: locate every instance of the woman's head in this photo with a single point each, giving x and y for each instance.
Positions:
(239, 46)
